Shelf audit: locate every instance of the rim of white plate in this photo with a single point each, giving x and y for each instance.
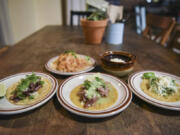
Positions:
(50, 61)
(95, 114)
(21, 109)
(147, 98)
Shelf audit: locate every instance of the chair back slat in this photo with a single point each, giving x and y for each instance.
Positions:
(80, 15)
(159, 21)
(162, 27)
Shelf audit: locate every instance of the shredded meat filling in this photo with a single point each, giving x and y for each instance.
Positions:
(32, 88)
(90, 101)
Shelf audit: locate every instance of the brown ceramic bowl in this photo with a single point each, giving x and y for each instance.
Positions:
(117, 67)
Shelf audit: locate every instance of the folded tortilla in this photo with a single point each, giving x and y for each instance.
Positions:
(39, 95)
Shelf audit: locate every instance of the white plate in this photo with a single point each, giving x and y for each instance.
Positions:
(134, 84)
(8, 108)
(124, 96)
(49, 67)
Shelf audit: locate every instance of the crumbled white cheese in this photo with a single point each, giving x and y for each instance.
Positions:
(91, 78)
(35, 94)
(163, 84)
(117, 60)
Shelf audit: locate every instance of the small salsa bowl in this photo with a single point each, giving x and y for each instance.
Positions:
(118, 62)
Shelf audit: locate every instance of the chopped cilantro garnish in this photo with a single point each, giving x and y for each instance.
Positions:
(31, 97)
(25, 83)
(41, 82)
(72, 53)
(92, 84)
(87, 84)
(101, 81)
(20, 95)
(87, 58)
(161, 85)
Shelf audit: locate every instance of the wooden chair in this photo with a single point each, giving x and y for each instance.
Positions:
(159, 28)
(79, 14)
(175, 41)
(3, 49)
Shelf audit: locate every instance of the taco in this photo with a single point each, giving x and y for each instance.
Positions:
(28, 90)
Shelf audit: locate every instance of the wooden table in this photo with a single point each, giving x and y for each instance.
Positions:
(139, 118)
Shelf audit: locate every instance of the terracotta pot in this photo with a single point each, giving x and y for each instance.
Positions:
(93, 30)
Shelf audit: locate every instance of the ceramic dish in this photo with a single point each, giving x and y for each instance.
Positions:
(48, 66)
(122, 102)
(134, 82)
(120, 68)
(7, 108)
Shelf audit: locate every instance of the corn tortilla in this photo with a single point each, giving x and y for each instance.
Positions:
(41, 93)
(171, 98)
(101, 104)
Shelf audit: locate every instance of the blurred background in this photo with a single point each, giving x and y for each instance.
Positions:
(21, 18)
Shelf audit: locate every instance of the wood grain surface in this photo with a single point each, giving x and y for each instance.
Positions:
(140, 118)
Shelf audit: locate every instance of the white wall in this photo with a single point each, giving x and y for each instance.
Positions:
(6, 37)
(48, 12)
(22, 18)
(28, 16)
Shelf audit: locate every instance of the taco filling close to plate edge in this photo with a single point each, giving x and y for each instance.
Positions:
(94, 93)
(163, 88)
(28, 90)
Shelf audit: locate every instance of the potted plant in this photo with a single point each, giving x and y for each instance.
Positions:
(94, 27)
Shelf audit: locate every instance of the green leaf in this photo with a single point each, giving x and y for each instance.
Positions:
(149, 75)
(31, 97)
(42, 82)
(20, 95)
(2, 90)
(87, 84)
(98, 15)
(72, 53)
(98, 79)
(24, 84)
(87, 58)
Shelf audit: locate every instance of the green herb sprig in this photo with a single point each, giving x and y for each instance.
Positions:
(96, 16)
(71, 52)
(24, 84)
